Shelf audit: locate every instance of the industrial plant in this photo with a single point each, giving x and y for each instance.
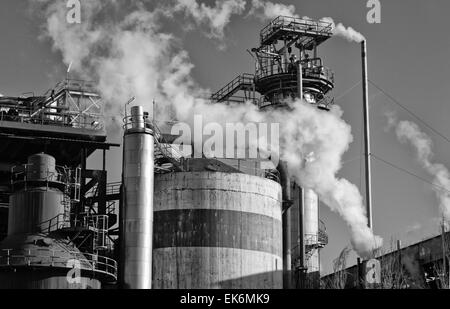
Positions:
(172, 221)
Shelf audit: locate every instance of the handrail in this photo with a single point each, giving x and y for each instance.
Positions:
(296, 24)
(61, 175)
(48, 110)
(166, 148)
(272, 174)
(227, 90)
(310, 69)
(44, 257)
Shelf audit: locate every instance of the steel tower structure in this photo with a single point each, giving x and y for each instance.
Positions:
(65, 125)
(288, 67)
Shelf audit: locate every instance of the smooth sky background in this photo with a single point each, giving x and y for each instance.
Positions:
(408, 57)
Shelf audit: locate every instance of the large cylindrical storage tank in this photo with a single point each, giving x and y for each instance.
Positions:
(37, 254)
(311, 229)
(137, 211)
(37, 202)
(217, 230)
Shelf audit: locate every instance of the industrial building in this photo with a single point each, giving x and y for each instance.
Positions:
(172, 221)
(423, 265)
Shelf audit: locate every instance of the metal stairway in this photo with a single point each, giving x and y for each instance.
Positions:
(244, 81)
(167, 158)
(312, 242)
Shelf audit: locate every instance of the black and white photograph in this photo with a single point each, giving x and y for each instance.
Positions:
(230, 151)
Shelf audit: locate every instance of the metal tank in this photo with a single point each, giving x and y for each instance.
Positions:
(36, 253)
(137, 211)
(37, 201)
(217, 230)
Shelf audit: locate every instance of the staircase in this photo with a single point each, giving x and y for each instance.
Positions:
(167, 158)
(242, 82)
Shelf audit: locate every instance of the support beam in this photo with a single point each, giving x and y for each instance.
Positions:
(301, 238)
(299, 80)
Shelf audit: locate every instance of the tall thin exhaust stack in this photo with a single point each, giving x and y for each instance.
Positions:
(366, 133)
(136, 217)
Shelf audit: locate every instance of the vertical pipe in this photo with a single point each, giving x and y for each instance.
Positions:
(137, 213)
(366, 134)
(359, 274)
(299, 80)
(286, 224)
(287, 267)
(301, 237)
(444, 262)
(104, 160)
(286, 57)
(311, 232)
(81, 204)
(301, 210)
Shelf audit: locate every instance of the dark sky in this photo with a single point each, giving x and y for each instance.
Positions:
(408, 57)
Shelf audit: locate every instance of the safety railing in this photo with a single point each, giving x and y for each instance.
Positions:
(297, 25)
(310, 69)
(44, 257)
(243, 80)
(113, 188)
(164, 149)
(58, 107)
(322, 234)
(21, 174)
(58, 222)
(242, 166)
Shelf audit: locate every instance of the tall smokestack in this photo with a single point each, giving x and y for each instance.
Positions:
(136, 230)
(366, 133)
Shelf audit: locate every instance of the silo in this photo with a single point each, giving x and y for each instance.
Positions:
(217, 230)
(37, 201)
(36, 253)
(137, 211)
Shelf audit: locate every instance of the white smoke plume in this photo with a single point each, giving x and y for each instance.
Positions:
(266, 10)
(409, 132)
(216, 18)
(307, 130)
(131, 56)
(347, 33)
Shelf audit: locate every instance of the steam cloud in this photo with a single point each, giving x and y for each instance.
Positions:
(131, 56)
(266, 10)
(215, 17)
(347, 33)
(410, 132)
